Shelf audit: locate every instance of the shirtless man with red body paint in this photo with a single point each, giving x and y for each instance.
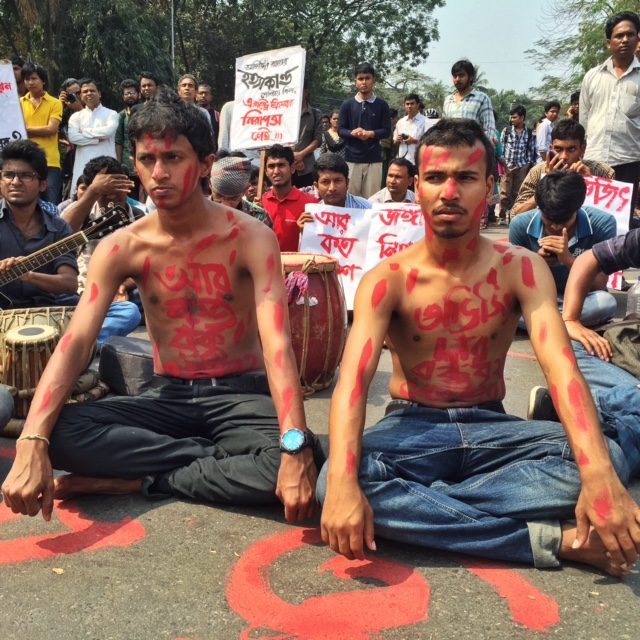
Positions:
(216, 312)
(446, 467)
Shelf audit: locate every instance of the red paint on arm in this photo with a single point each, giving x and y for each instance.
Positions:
(234, 233)
(474, 157)
(46, 399)
(115, 248)
(351, 462)
(602, 505)
(287, 403)
(379, 292)
(554, 397)
(528, 278)
(278, 316)
(270, 269)
(412, 278)
(64, 342)
(567, 352)
(94, 292)
(578, 404)
(146, 269)
(583, 460)
(542, 336)
(365, 358)
(278, 359)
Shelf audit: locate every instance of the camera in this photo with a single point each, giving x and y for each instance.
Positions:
(71, 98)
(404, 136)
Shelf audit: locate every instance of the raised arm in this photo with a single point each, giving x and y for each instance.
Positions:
(347, 517)
(29, 485)
(603, 501)
(298, 474)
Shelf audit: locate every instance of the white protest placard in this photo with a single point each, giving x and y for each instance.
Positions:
(268, 98)
(11, 119)
(341, 234)
(393, 228)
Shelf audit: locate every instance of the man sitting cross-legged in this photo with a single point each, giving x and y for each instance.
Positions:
(216, 311)
(447, 468)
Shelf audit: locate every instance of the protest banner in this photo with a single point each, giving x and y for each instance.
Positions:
(268, 98)
(360, 238)
(11, 119)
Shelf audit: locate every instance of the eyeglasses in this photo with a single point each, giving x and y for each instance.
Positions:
(23, 176)
(126, 94)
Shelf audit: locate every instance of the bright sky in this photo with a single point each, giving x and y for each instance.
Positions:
(493, 34)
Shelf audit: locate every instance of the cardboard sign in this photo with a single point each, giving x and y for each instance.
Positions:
(11, 119)
(268, 98)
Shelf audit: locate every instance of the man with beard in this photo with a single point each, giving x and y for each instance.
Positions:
(130, 96)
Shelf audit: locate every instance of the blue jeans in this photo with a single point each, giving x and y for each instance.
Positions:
(53, 192)
(599, 307)
(617, 398)
(472, 481)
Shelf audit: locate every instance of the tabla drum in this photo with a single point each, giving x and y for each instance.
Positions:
(25, 353)
(58, 317)
(317, 315)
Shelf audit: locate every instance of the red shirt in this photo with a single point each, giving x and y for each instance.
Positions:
(285, 214)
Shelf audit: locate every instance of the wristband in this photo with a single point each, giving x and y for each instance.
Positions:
(35, 436)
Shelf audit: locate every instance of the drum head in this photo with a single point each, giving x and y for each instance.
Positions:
(296, 262)
(31, 333)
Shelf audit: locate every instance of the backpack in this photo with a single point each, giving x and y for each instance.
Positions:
(624, 338)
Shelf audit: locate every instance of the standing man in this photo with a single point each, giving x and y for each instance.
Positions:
(149, 86)
(284, 202)
(187, 90)
(309, 139)
(518, 152)
(468, 102)
(573, 112)
(130, 96)
(204, 99)
(545, 128)
(42, 117)
(409, 129)
(17, 63)
(364, 121)
(92, 130)
(609, 105)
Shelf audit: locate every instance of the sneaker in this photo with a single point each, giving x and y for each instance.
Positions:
(541, 405)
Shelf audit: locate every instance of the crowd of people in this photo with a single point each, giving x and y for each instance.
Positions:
(199, 256)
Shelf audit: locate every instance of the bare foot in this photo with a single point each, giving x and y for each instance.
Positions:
(72, 485)
(593, 553)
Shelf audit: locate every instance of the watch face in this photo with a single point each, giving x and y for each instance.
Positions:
(292, 439)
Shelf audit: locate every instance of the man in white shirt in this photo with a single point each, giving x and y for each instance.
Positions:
(399, 179)
(545, 128)
(92, 130)
(610, 105)
(410, 129)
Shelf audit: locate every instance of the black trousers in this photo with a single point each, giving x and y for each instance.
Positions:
(210, 444)
(630, 173)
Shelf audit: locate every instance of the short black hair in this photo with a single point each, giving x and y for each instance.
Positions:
(130, 83)
(84, 81)
(365, 67)
(30, 68)
(466, 66)
(568, 129)
(149, 75)
(616, 19)
(560, 195)
(67, 83)
(412, 96)
(97, 164)
(26, 151)
(331, 162)
(278, 151)
(168, 113)
(403, 162)
(254, 176)
(456, 132)
(518, 111)
(575, 97)
(206, 86)
(551, 104)
(18, 61)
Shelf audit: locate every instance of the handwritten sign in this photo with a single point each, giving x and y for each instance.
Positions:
(360, 238)
(268, 98)
(11, 120)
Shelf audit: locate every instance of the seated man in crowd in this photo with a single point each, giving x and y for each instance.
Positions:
(447, 468)
(284, 202)
(216, 311)
(615, 391)
(559, 231)
(567, 149)
(399, 179)
(107, 182)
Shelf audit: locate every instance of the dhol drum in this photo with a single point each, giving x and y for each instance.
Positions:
(58, 317)
(26, 351)
(317, 315)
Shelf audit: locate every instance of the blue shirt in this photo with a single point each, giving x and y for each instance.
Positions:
(13, 244)
(592, 226)
(371, 115)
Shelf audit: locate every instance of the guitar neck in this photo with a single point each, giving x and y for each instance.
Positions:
(44, 256)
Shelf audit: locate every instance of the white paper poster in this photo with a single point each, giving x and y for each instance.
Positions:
(611, 196)
(11, 120)
(268, 98)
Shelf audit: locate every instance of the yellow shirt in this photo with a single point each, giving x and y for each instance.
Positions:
(48, 109)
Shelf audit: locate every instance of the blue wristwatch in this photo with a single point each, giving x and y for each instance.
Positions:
(295, 440)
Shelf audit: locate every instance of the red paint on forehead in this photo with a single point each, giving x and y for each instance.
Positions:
(148, 142)
(94, 292)
(379, 292)
(146, 269)
(474, 157)
(426, 157)
(442, 158)
(412, 279)
(168, 140)
(528, 278)
(64, 342)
